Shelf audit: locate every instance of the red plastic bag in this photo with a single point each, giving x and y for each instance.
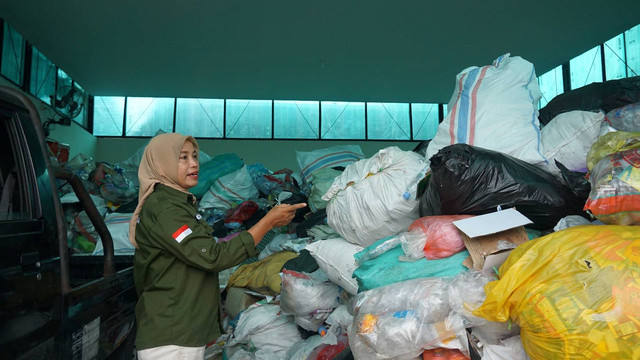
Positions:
(443, 354)
(443, 238)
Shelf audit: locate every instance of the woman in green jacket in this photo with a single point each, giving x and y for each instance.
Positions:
(177, 260)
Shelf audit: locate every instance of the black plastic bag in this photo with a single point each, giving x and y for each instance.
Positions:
(606, 96)
(475, 181)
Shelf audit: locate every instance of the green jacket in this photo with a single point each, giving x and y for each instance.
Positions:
(176, 271)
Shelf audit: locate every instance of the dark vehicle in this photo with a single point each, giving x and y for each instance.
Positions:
(53, 305)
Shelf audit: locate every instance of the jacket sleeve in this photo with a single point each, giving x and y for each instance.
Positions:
(178, 232)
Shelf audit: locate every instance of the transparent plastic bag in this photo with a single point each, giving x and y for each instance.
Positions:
(615, 189)
(625, 118)
(304, 294)
(402, 319)
(610, 143)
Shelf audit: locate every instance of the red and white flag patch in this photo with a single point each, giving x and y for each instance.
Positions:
(181, 233)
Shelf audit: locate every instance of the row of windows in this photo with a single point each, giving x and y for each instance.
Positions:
(264, 119)
(25, 66)
(267, 119)
(621, 58)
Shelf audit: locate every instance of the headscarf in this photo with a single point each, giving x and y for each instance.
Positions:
(159, 164)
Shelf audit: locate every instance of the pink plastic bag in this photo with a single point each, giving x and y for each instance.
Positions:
(443, 239)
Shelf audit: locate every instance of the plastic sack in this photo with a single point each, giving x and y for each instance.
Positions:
(331, 351)
(230, 190)
(303, 349)
(335, 258)
(605, 96)
(213, 169)
(494, 107)
(308, 295)
(266, 330)
(574, 293)
(568, 138)
(615, 189)
(508, 349)
(321, 181)
(401, 320)
(114, 186)
(118, 226)
(610, 143)
(376, 197)
(443, 239)
(388, 269)
(574, 220)
(341, 155)
(475, 181)
(466, 294)
(626, 118)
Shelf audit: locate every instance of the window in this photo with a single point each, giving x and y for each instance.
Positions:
(632, 44)
(296, 119)
(15, 201)
(425, 121)
(108, 115)
(551, 85)
(614, 58)
(12, 55)
(81, 117)
(146, 115)
(249, 119)
(586, 68)
(388, 121)
(343, 120)
(200, 117)
(43, 76)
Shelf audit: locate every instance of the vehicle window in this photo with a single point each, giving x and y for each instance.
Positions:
(13, 202)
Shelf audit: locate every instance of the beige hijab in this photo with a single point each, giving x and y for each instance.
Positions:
(159, 164)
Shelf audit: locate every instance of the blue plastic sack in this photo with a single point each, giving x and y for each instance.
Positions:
(386, 269)
(214, 169)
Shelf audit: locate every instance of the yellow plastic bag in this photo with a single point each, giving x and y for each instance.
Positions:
(574, 293)
(610, 143)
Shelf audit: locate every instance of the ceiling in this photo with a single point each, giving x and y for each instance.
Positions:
(336, 50)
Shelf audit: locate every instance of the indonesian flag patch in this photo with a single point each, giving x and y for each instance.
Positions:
(181, 233)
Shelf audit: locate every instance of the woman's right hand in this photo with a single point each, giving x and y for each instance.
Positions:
(281, 215)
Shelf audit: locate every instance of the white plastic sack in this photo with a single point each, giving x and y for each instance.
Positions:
(494, 107)
(376, 197)
(118, 225)
(230, 190)
(335, 258)
(265, 328)
(311, 297)
(509, 349)
(568, 138)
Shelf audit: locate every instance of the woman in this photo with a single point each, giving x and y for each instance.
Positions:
(177, 261)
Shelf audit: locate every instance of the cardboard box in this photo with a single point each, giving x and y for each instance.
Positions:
(490, 237)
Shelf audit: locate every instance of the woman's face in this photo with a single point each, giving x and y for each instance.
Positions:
(188, 166)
